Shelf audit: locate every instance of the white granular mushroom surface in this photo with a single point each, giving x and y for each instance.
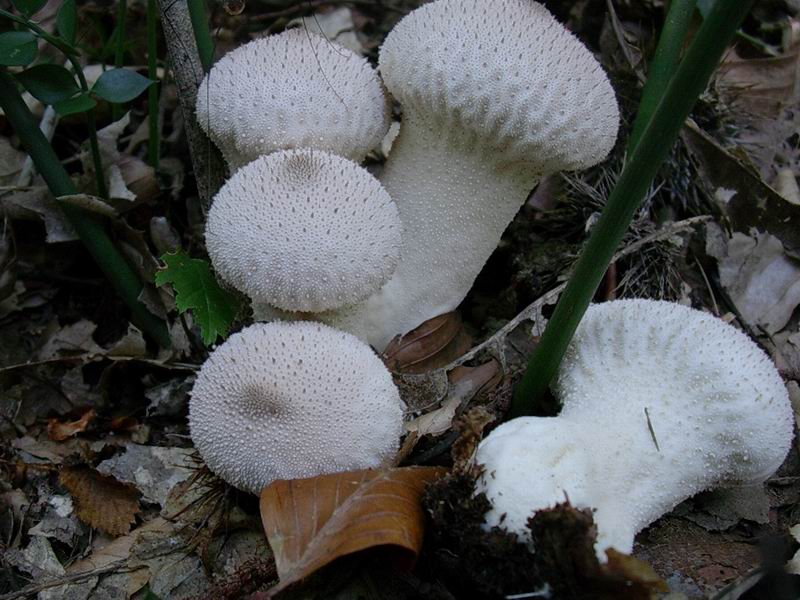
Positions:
(295, 89)
(660, 402)
(292, 400)
(304, 231)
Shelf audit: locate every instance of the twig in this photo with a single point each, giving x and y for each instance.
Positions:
(188, 73)
(35, 588)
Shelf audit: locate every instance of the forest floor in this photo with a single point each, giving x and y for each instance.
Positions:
(101, 492)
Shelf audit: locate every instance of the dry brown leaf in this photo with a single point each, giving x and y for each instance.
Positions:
(466, 383)
(101, 501)
(311, 522)
(59, 432)
(434, 344)
(470, 428)
(742, 195)
(759, 86)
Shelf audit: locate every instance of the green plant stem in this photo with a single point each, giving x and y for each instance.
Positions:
(202, 32)
(71, 54)
(662, 68)
(117, 110)
(88, 227)
(154, 133)
(689, 82)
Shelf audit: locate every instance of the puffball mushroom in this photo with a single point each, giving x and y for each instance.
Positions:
(495, 95)
(291, 400)
(295, 89)
(303, 230)
(660, 402)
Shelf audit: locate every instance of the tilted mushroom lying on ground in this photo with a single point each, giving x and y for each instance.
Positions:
(495, 94)
(303, 230)
(660, 402)
(295, 89)
(291, 400)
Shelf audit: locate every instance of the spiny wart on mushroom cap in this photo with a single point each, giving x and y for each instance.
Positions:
(660, 402)
(292, 400)
(502, 75)
(295, 89)
(304, 230)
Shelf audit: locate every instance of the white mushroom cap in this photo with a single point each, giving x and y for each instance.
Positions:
(292, 400)
(660, 402)
(304, 231)
(506, 76)
(295, 89)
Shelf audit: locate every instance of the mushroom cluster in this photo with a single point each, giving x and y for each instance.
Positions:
(492, 100)
(660, 402)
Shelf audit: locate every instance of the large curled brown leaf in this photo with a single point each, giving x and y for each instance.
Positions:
(311, 522)
(101, 501)
(434, 344)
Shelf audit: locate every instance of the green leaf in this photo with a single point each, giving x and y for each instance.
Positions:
(17, 48)
(67, 21)
(49, 83)
(121, 85)
(78, 104)
(28, 7)
(196, 288)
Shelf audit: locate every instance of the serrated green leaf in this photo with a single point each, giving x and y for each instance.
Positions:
(120, 85)
(49, 83)
(196, 289)
(17, 48)
(67, 21)
(28, 7)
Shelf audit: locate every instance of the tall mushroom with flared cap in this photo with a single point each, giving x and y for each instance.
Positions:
(293, 400)
(303, 230)
(295, 89)
(495, 94)
(660, 402)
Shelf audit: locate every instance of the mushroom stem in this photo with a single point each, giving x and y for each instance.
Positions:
(454, 202)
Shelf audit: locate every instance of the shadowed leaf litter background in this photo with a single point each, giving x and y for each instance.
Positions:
(102, 495)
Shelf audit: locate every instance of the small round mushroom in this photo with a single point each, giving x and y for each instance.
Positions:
(660, 402)
(303, 230)
(495, 95)
(295, 89)
(292, 400)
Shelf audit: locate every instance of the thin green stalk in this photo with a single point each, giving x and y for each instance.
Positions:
(71, 54)
(117, 110)
(202, 32)
(88, 227)
(662, 68)
(689, 82)
(154, 137)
